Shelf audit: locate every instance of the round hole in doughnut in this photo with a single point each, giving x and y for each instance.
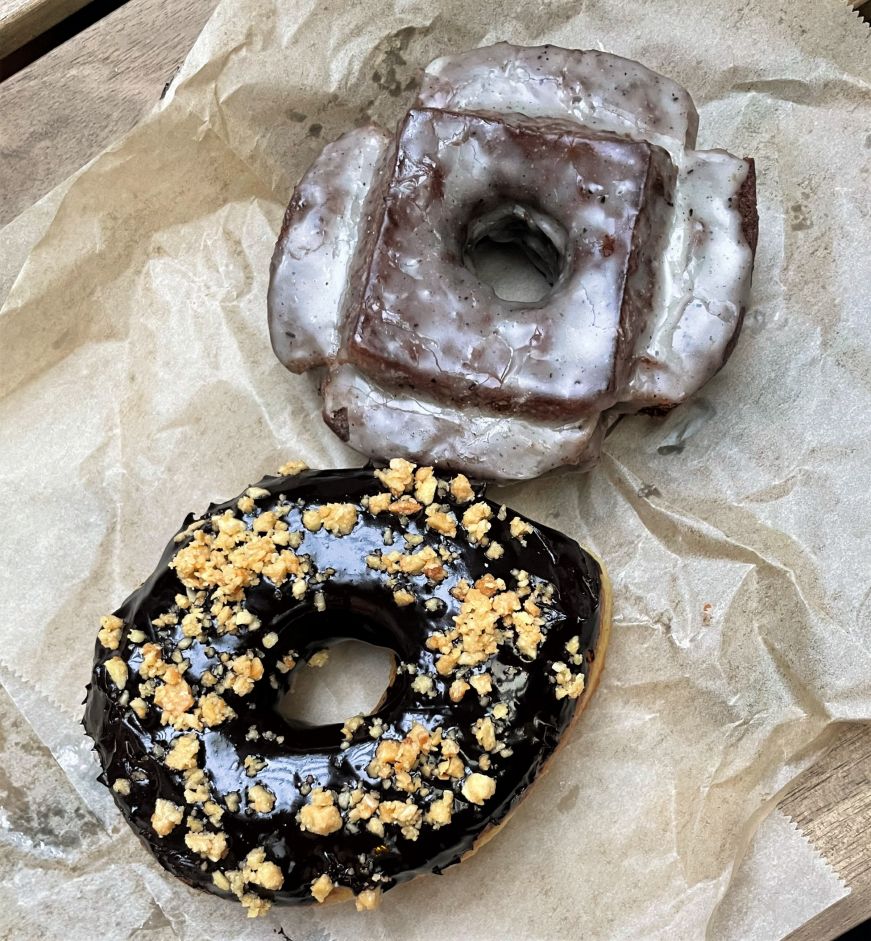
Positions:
(353, 681)
(517, 250)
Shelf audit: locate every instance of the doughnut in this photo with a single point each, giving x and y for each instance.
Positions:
(584, 162)
(498, 628)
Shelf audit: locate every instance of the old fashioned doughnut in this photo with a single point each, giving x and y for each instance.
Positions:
(498, 626)
(585, 162)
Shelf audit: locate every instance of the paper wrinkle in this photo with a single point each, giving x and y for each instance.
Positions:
(138, 384)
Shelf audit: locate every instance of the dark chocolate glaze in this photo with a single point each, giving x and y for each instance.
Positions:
(358, 605)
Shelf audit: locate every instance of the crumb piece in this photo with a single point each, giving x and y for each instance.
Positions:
(424, 685)
(214, 709)
(109, 634)
(379, 503)
(182, 754)
(425, 485)
(368, 900)
(461, 489)
(500, 710)
(286, 663)
(320, 601)
(482, 683)
(476, 521)
(375, 826)
(485, 733)
(196, 787)
(364, 808)
(567, 683)
(458, 690)
(319, 659)
(320, 815)
(139, 706)
(261, 799)
(406, 814)
(404, 506)
(121, 786)
(337, 518)
(573, 645)
(351, 726)
(321, 887)
(292, 468)
(520, 529)
(117, 670)
(439, 813)
(403, 598)
(136, 636)
(441, 521)
(494, 551)
(166, 817)
(232, 800)
(211, 845)
(253, 764)
(478, 788)
(270, 640)
(248, 670)
(398, 478)
(245, 504)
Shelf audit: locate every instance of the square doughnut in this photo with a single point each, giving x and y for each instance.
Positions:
(593, 208)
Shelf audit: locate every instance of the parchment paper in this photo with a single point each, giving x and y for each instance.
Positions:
(138, 383)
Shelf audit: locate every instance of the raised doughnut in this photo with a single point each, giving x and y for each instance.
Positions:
(498, 626)
(584, 161)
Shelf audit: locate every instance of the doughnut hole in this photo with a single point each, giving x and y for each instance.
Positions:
(516, 250)
(353, 681)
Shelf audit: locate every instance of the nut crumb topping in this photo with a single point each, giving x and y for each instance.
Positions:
(109, 634)
(121, 786)
(368, 900)
(461, 489)
(403, 598)
(292, 468)
(425, 485)
(211, 845)
(336, 518)
(261, 799)
(166, 817)
(183, 753)
(567, 683)
(441, 521)
(117, 670)
(254, 870)
(405, 506)
(520, 529)
(320, 815)
(321, 887)
(478, 788)
(319, 658)
(476, 521)
(398, 478)
(494, 551)
(440, 811)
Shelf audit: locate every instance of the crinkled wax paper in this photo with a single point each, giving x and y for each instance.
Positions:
(138, 383)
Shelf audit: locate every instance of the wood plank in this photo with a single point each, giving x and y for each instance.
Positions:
(831, 804)
(63, 109)
(23, 20)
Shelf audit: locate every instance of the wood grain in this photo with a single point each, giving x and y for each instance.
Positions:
(63, 109)
(831, 804)
(22, 20)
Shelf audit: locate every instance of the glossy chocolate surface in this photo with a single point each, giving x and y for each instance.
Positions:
(358, 604)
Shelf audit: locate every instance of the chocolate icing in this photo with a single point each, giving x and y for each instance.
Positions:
(358, 605)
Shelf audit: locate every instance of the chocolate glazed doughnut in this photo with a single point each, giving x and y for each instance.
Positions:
(498, 626)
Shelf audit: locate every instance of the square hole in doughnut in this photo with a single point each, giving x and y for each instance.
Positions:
(590, 213)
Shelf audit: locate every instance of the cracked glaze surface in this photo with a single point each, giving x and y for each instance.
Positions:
(582, 159)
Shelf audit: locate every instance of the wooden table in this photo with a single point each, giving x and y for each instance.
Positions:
(51, 125)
